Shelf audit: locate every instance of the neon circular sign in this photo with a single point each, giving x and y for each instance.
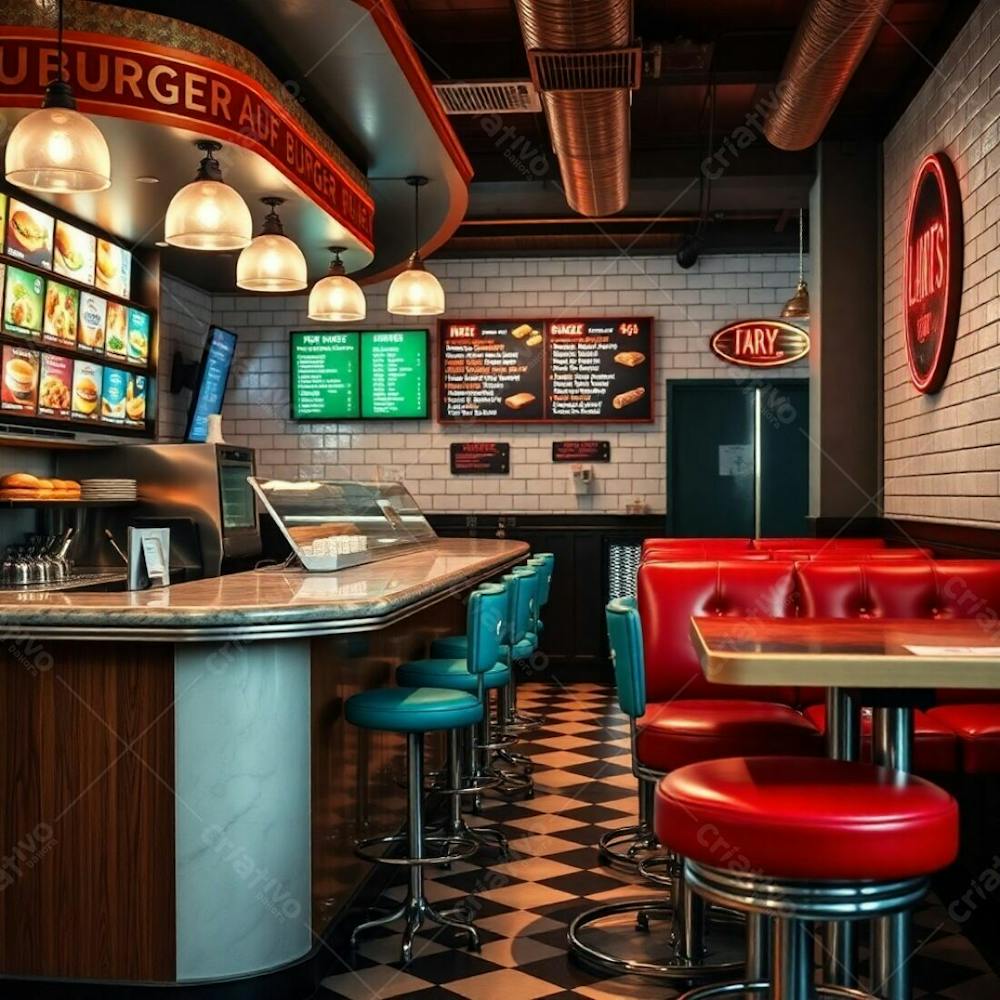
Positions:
(932, 273)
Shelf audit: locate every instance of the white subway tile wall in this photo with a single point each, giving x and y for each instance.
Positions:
(688, 307)
(942, 452)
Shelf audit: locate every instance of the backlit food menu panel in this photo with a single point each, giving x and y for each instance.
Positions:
(62, 308)
(23, 302)
(29, 234)
(547, 370)
(87, 379)
(19, 391)
(75, 253)
(55, 386)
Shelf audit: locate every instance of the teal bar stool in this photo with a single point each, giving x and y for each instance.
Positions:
(414, 712)
(478, 673)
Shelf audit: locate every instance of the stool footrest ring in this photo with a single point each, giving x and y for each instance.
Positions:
(762, 991)
(368, 849)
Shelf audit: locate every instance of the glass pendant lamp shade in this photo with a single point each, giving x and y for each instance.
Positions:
(415, 292)
(57, 149)
(272, 262)
(208, 214)
(337, 298)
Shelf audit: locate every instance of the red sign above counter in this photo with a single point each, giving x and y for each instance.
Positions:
(537, 370)
(932, 272)
(760, 343)
(134, 79)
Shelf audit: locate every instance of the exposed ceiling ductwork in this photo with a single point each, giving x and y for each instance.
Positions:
(585, 44)
(832, 39)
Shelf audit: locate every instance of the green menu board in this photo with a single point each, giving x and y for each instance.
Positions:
(394, 374)
(325, 376)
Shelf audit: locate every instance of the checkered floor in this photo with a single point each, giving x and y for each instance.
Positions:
(522, 906)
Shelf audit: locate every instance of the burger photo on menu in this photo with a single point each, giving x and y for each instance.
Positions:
(62, 306)
(29, 234)
(115, 325)
(135, 400)
(74, 253)
(138, 336)
(93, 318)
(113, 269)
(54, 386)
(114, 393)
(22, 303)
(19, 391)
(87, 378)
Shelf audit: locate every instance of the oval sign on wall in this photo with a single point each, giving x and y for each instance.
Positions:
(932, 272)
(760, 343)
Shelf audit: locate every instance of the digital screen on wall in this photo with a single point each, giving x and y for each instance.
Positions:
(359, 374)
(210, 385)
(547, 370)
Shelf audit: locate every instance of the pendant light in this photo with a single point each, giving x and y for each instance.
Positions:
(415, 291)
(797, 307)
(57, 150)
(337, 298)
(272, 263)
(208, 214)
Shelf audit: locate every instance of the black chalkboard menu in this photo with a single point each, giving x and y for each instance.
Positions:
(480, 458)
(537, 370)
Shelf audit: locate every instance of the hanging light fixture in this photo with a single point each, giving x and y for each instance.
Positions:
(415, 291)
(58, 150)
(272, 263)
(208, 214)
(337, 298)
(797, 307)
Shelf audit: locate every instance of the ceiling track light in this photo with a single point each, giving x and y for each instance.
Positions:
(337, 298)
(58, 150)
(208, 214)
(272, 262)
(415, 291)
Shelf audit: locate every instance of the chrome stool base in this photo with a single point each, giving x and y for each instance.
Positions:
(723, 956)
(627, 846)
(416, 912)
(762, 991)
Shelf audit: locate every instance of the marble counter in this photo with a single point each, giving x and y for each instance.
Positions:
(268, 602)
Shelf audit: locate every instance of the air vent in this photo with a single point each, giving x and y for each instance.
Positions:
(602, 69)
(488, 97)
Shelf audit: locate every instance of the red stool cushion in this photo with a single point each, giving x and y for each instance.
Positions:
(677, 733)
(807, 818)
(935, 746)
(978, 729)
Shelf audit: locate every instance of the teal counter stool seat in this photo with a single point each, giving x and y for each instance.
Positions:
(418, 709)
(453, 674)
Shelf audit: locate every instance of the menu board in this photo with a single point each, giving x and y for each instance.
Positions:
(480, 458)
(75, 252)
(23, 302)
(210, 388)
(325, 378)
(86, 398)
(114, 390)
(19, 391)
(547, 370)
(135, 400)
(54, 386)
(394, 374)
(581, 451)
(113, 269)
(62, 307)
(29, 234)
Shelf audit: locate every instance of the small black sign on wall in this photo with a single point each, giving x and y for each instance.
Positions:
(581, 451)
(480, 458)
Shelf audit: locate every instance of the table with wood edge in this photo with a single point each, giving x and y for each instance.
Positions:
(886, 663)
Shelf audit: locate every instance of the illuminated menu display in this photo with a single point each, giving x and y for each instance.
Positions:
(325, 376)
(394, 374)
(547, 370)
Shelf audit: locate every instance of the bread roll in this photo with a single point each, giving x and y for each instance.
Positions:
(19, 481)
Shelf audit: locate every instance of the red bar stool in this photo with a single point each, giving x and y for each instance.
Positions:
(801, 839)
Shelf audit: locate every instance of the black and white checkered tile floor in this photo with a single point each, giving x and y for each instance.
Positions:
(522, 906)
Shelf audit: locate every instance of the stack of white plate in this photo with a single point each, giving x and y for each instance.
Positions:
(107, 489)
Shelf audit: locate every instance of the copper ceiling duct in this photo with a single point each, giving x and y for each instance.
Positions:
(831, 41)
(589, 124)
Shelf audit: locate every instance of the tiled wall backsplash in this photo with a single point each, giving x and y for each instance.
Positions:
(688, 307)
(942, 452)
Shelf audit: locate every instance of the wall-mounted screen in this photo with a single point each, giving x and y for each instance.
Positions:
(536, 370)
(210, 384)
(360, 374)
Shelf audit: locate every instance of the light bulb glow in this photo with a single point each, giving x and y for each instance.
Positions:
(271, 263)
(208, 215)
(415, 292)
(337, 299)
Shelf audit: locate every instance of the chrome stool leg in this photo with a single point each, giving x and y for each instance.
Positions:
(626, 846)
(511, 784)
(416, 908)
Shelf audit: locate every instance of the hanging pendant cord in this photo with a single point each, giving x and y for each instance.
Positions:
(59, 41)
(416, 219)
(801, 270)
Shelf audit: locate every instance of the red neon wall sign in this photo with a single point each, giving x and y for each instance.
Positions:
(932, 272)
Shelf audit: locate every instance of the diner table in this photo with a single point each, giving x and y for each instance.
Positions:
(891, 665)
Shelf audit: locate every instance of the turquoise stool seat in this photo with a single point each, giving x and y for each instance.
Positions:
(413, 710)
(450, 673)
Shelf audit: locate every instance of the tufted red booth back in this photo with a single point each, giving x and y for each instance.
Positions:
(723, 545)
(671, 593)
(854, 555)
(695, 553)
(812, 544)
(906, 589)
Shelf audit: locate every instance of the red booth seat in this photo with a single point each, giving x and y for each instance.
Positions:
(978, 729)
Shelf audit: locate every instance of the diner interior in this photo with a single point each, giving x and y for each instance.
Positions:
(500, 498)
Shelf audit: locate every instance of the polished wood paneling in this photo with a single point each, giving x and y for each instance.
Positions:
(355, 773)
(87, 815)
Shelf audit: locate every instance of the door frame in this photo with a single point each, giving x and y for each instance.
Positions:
(748, 382)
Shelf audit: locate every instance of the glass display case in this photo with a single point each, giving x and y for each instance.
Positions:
(331, 524)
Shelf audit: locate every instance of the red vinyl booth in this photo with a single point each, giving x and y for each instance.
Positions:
(812, 544)
(921, 589)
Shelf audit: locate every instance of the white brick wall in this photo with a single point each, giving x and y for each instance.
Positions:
(942, 452)
(688, 305)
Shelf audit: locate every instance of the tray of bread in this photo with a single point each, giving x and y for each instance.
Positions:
(22, 486)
